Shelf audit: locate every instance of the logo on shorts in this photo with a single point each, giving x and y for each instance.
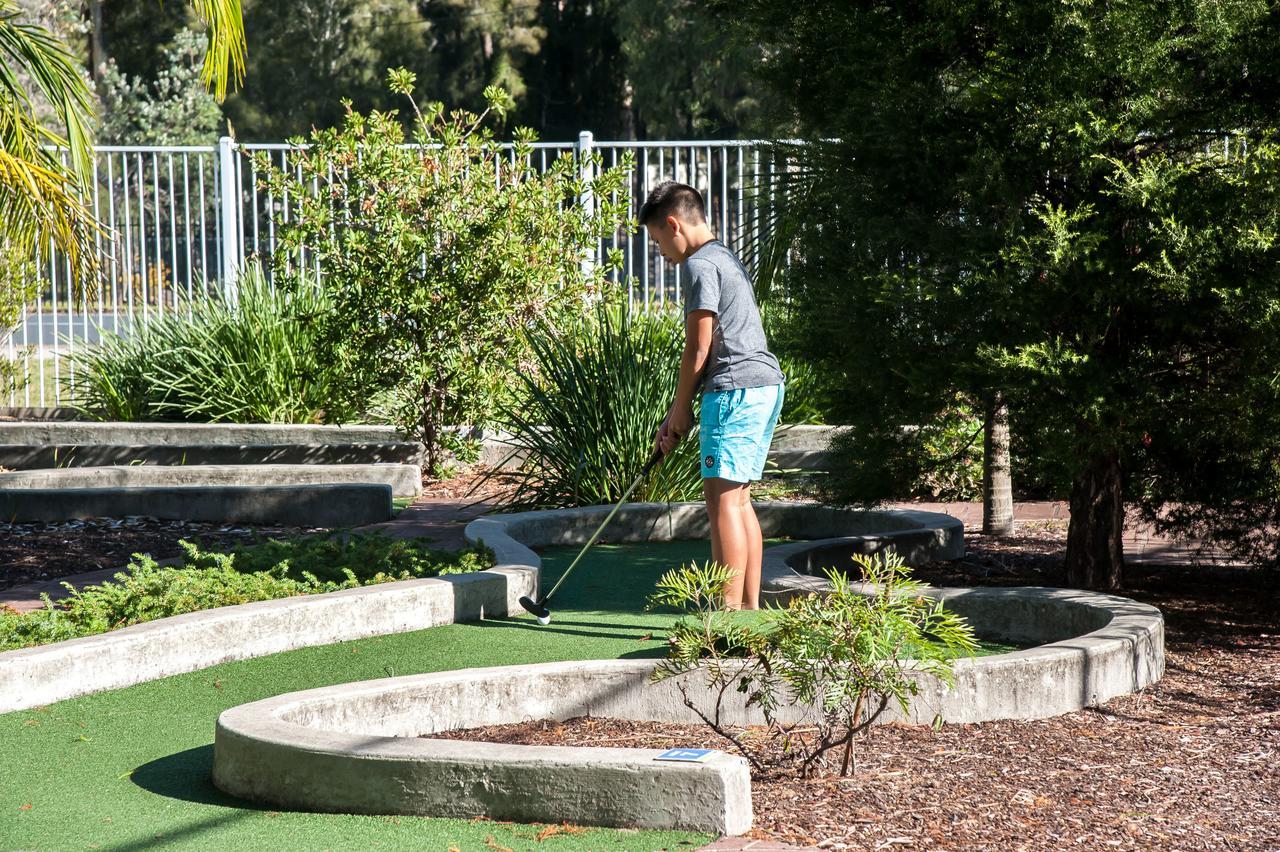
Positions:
(709, 460)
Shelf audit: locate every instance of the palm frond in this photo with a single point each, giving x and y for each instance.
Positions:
(40, 201)
(226, 55)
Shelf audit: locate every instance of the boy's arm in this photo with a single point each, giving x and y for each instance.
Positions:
(699, 326)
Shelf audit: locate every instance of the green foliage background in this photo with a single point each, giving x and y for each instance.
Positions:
(592, 399)
(1072, 204)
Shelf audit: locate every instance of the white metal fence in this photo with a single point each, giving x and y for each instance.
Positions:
(179, 221)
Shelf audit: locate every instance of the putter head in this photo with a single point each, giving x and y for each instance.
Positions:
(536, 608)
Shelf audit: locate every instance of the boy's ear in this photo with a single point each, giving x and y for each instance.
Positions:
(674, 223)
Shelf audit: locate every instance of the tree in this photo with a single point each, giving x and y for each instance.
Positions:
(438, 255)
(173, 109)
(1070, 205)
(308, 53)
(687, 78)
(484, 43)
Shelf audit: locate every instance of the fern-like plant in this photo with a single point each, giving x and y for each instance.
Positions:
(835, 661)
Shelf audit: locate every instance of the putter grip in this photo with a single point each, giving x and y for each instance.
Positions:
(652, 463)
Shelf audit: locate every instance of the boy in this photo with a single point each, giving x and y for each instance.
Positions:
(742, 387)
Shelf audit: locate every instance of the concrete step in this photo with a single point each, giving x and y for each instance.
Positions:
(347, 505)
(28, 457)
(405, 479)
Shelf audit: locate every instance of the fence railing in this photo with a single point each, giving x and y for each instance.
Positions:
(179, 221)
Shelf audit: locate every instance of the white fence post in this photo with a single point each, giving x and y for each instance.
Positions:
(230, 216)
(586, 199)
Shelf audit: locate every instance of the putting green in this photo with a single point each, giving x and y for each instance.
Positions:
(130, 768)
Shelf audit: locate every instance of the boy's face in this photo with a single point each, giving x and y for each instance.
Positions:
(672, 238)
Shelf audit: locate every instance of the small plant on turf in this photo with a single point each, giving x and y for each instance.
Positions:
(593, 398)
(821, 669)
(439, 253)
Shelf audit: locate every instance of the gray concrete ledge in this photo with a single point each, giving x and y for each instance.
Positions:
(802, 447)
(27, 457)
(51, 443)
(1093, 647)
(294, 505)
(1090, 647)
(189, 434)
(33, 677)
(405, 479)
(355, 748)
(919, 536)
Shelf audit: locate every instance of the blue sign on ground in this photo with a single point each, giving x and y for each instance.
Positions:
(686, 755)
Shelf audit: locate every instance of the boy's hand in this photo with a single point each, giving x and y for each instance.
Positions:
(678, 423)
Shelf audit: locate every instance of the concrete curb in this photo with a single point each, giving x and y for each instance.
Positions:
(1091, 647)
(405, 479)
(293, 505)
(920, 536)
(30, 445)
(32, 677)
(355, 748)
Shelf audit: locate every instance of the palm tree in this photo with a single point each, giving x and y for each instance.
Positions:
(39, 196)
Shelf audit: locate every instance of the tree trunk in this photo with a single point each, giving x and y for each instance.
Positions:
(997, 483)
(97, 55)
(1095, 553)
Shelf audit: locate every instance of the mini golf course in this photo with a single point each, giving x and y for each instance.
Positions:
(130, 769)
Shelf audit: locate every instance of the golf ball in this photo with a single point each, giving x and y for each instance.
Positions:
(544, 620)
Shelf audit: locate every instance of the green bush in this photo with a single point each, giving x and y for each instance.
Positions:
(438, 254)
(593, 398)
(253, 361)
(839, 657)
(144, 591)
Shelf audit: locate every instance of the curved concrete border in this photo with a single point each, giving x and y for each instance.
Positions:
(1091, 647)
(919, 536)
(32, 677)
(356, 748)
(294, 505)
(405, 479)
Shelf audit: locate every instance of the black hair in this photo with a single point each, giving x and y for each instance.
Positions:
(673, 199)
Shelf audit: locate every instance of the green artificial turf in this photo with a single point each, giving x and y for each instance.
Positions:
(130, 768)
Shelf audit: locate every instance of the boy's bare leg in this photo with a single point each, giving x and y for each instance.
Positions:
(755, 552)
(729, 542)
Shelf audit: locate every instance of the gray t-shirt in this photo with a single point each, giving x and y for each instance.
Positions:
(740, 357)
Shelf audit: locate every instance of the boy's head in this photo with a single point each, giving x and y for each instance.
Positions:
(676, 219)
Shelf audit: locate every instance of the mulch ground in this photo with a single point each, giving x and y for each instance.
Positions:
(36, 552)
(39, 552)
(1190, 763)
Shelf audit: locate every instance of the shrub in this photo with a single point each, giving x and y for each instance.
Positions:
(145, 591)
(837, 659)
(438, 254)
(593, 397)
(253, 361)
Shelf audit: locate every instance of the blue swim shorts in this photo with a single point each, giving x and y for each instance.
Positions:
(735, 428)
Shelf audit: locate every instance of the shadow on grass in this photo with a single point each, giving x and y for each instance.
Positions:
(593, 629)
(188, 776)
(178, 836)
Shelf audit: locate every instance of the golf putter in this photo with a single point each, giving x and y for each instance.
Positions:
(539, 607)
